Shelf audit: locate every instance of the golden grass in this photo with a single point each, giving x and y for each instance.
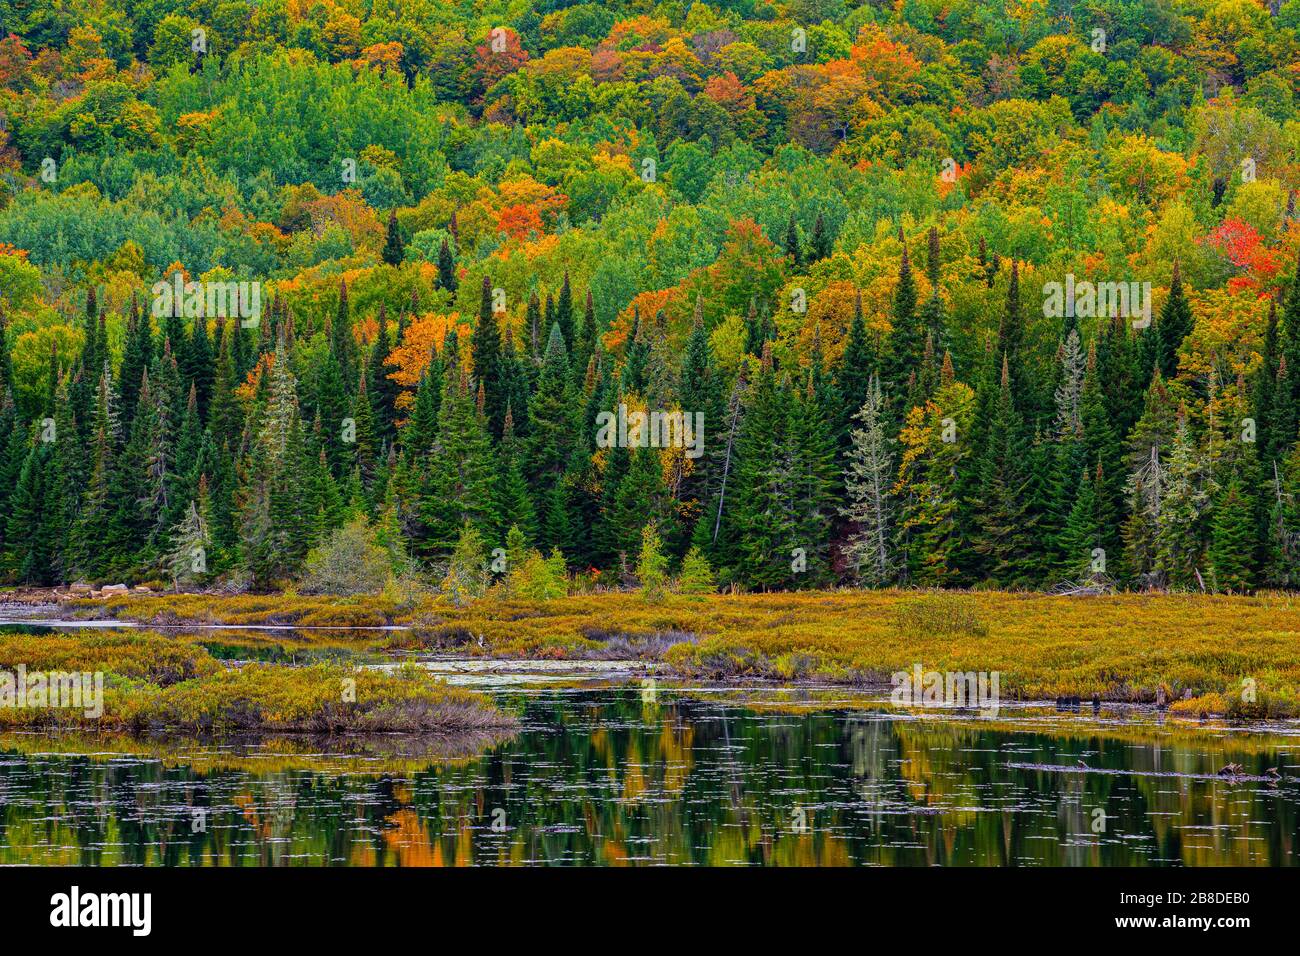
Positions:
(1118, 647)
(156, 682)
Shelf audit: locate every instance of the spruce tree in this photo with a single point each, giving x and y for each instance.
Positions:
(460, 478)
(1004, 536)
(487, 360)
(907, 340)
(552, 437)
(1172, 326)
(394, 249)
(1232, 538)
(868, 482)
(792, 248)
(447, 278)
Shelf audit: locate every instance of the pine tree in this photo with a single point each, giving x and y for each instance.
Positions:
(29, 533)
(652, 565)
(1004, 536)
(552, 435)
(514, 504)
(383, 390)
(487, 359)
(459, 483)
(198, 366)
(366, 442)
(907, 340)
(1085, 530)
(792, 248)
(812, 485)
(1172, 326)
(853, 379)
(1185, 499)
(868, 483)
(394, 249)
(1232, 538)
(564, 314)
(822, 241)
(447, 278)
(422, 427)
(760, 510)
(187, 561)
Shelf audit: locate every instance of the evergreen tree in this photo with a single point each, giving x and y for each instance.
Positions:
(447, 268)
(459, 483)
(907, 340)
(564, 314)
(696, 576)
(394, 248)
(760, 511)
(1232, 538)
(487, 360)
(792, 248)
(1172, 326)
(1004, 536)
(514, 504)
(1185, 498)
(383, 390)
(822, 241)
(868, 481)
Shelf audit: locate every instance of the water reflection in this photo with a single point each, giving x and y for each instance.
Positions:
(607, 777)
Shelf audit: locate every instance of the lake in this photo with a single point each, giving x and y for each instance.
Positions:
(607, 772)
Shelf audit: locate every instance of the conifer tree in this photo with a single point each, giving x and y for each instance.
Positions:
(447, 278)
(652, 565)
(792, 248)
(760, 511)
(821, 243)
(1185, 498)
(868, 482)
(1004, 537)
(552, 435)
(394, 249)
(459, 483)
(487, 359)
(383, 390)
(1232, 538)
(907, 340)
(696, 575)
(1172, 326)
(514, 505)
(564, 313)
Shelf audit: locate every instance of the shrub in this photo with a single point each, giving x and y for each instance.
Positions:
(538, 578)
(320, 698)
(350, 562)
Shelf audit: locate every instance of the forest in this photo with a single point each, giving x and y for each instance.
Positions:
(926, 293)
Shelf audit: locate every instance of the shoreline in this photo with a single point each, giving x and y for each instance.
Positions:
(1201, 656)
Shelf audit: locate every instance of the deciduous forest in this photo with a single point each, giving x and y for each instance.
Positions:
(962, 294)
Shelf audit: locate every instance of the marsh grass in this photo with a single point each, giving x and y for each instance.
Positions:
(939, 614)
(1122, 647)
(154, 682)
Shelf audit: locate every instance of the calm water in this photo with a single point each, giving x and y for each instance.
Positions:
(601, 776)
